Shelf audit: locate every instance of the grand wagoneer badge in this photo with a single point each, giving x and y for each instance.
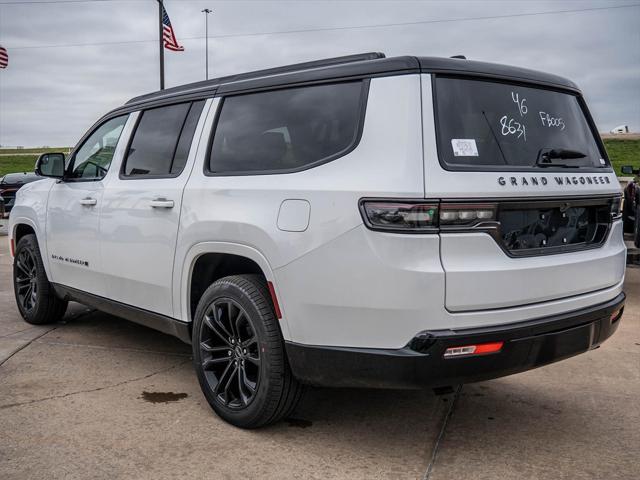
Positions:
(525, 181)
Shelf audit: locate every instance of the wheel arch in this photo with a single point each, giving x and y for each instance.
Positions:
(21, 229)
(21, 226)
(231, 259)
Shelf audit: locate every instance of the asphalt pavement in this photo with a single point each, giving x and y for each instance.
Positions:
(98, 397)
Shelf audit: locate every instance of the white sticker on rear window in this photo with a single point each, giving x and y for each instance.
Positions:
(464, 147)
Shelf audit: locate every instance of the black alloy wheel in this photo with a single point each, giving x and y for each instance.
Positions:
(35, 296)
(26, 279)
(229, 353)
(239, 353)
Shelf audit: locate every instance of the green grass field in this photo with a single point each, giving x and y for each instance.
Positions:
(34, 150)
(621, 152)
(17, 163)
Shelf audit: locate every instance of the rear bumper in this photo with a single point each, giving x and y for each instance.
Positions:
(527, 345)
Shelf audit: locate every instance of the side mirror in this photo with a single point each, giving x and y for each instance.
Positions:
(50, 165)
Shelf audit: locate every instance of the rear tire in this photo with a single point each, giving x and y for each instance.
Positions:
(36, 299)
(239, 354)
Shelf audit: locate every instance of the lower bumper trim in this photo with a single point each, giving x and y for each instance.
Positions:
(421, 363)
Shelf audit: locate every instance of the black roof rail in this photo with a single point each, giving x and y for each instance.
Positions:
(327, 62)
(365, 65)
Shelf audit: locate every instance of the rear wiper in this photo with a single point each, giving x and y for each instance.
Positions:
(546, 157)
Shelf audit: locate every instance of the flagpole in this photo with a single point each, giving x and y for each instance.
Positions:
(160, 44)
(206, 12)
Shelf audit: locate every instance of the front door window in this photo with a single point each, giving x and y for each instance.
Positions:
(93, 158)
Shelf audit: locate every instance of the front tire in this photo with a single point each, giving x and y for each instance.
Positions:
(239, 355)
(36, 299)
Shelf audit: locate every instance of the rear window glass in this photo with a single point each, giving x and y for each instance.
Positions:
(162, 139)
(492, 125)
(286, 129)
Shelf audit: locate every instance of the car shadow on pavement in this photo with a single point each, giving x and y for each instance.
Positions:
(519, 423)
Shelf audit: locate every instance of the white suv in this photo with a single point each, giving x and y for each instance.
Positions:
(360, 221)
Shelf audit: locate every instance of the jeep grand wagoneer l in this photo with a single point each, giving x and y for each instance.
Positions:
(359, 221)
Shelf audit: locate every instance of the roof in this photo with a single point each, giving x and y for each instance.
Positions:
(350, 67)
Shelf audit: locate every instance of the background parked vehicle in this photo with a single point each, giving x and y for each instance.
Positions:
(11, 183)
(631, 208)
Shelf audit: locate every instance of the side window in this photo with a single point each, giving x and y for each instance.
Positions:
(162, 139)
(93, 158)
(286, 129)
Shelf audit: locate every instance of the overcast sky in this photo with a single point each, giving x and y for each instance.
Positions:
(54, 89)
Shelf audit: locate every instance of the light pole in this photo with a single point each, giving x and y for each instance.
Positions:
(206, 12)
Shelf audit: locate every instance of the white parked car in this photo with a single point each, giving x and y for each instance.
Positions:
(361, 221)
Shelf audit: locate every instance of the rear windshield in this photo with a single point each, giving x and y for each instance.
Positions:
(490, 125)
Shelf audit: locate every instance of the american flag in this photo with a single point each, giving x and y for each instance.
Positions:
(169, 37)
(4, 57)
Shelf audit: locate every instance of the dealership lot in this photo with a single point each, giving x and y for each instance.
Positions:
(98, 397)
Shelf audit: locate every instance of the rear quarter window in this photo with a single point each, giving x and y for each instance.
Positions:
(286, 130)
(485, 125)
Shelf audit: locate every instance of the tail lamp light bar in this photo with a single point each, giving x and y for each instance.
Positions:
(423, 217)
(429, 216)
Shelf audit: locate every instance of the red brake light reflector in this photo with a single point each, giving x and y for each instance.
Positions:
(615, 316)
(274, 299)
(478, 349)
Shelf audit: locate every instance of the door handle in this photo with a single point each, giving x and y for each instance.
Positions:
(88, 201)
(161, 203)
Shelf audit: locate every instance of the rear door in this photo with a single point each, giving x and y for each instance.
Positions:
(526, 191)
(141, 206)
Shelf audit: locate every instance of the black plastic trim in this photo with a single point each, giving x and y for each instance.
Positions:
(270, 72)
(350, 67)
(159, 322)
(493, 228)
(421, 364)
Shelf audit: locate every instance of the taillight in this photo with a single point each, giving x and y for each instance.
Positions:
(400, 216)
(466, 214)
(616, 208)
(423, 217)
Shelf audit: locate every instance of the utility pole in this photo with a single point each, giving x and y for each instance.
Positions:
(160, 42)
(206, 12)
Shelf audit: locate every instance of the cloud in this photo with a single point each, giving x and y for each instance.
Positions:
(50, 96)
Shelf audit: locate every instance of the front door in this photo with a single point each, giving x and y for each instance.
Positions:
(73, 212)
